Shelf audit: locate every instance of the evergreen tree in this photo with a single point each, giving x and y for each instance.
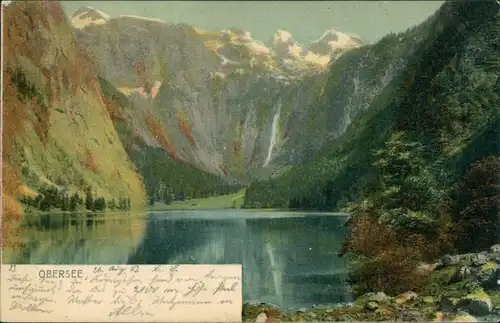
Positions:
(100, 204)
(167, 196)
(406, 196)
(65, 203)
(74, 202)
(129, 205)
(89, 200)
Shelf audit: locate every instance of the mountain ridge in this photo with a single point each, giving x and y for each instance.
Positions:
(421, 102)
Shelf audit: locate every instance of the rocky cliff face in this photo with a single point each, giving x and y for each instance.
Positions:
(58, 129)
(222, 101)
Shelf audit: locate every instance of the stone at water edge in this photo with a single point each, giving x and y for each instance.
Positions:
(438, 317)
(379, 297)
(363, 300)
(448, 304)
(261, 318)
(463, 317)
(478, 303)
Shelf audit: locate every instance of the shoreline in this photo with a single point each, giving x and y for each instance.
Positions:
(459, 288)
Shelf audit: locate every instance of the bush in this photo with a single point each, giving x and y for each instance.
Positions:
(383, 261)
(386, 260)
(476, 206)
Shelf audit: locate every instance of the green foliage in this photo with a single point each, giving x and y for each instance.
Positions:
(51, 198)
(167, 196)
(163, 177)
(65, 203)
(476, 205)
(100, 204)
(406, 193)
(89, 200)
(399, 219)
(74, 202)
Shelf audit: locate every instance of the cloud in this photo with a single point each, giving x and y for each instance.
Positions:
(6, 3)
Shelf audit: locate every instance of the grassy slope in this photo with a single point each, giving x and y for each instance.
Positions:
(215, 202)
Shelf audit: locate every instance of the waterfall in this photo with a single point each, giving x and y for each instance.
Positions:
(272, 142)
(276, 273)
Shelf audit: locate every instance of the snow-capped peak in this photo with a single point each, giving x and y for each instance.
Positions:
(86, 15)
(333, 40)
(282, 36)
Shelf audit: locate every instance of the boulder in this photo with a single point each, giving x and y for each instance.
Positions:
(478, 303)
(371, 305)
(488, 275)
(405, 297)
(495, 249)
(438, 317)
(447, 260)
(372, 297)
(480, 259)
(379, 297)
(463, 317)
(261, 318)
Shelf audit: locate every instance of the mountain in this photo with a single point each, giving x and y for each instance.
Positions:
(57, 128)
(444, 97)
(229, 104)
(171, 104)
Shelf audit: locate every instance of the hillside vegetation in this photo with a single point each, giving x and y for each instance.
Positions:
(420, 169)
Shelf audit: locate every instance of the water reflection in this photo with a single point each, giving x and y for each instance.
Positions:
(288, 259)
(79, 239)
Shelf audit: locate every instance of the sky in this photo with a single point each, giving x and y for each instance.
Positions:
(305, 20)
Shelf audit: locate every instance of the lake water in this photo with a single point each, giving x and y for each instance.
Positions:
(289, 259)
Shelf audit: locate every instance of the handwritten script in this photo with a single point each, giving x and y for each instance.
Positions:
(121, 293)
